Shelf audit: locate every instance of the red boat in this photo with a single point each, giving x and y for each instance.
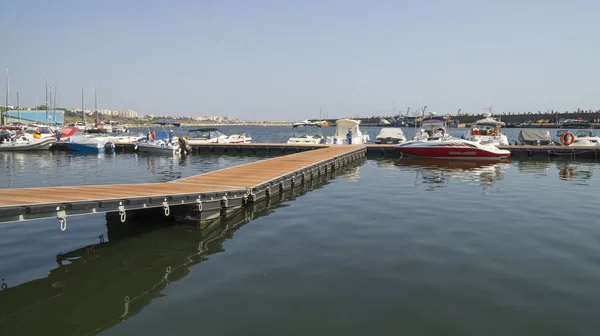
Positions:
(433, 141)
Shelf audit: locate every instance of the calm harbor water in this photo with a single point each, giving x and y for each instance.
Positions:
(394, 246)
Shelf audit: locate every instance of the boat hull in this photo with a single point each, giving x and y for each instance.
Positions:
(87, 148)
(43, 144)
(155, 149)
(454, 151)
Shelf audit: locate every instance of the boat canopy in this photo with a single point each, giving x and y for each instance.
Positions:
(204, 133)
(429, 123)
(342, 126)
(306, 124)
(531, 137)
(489, 121)
(204, 130)
(391, 132)
(164, 123)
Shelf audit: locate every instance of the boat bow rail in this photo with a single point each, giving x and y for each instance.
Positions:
(210, 194)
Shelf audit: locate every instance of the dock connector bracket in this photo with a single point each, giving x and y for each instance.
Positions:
(61, 215)
(122, 212)
(166, 208)
(249, 196)
(199, 203)
(224, 202)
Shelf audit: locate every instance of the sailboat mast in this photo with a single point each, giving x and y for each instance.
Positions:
(46, 98)
(96, 104)
(50, 100)
(2, 122)
(18, 107)
(82, 105)
(54, 113)
(7, 94)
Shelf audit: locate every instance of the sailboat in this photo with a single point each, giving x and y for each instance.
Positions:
(99, 127)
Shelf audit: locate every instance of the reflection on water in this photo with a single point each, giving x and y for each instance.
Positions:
(46, 168)
(436, 173)
(352, 174)
(101, 285)
(577, 173)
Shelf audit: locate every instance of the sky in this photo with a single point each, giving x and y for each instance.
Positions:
(288, 60)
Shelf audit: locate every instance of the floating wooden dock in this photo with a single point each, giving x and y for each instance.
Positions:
(216, 191)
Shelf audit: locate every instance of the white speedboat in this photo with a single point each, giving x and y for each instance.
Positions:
(206, 135)
(433, 141)
(41, 131)
(22, 141)
(390, 135)
(151, 144)
(239, 138)
(157, 146)
(584, 137)
(347, 132)
(301, 134)
(487, 132)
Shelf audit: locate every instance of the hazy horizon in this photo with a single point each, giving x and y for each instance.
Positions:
(283, 60)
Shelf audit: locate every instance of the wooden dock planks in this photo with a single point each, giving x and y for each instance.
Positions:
(235, 178)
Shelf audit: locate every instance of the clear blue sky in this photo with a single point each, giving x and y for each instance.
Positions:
(283, 60)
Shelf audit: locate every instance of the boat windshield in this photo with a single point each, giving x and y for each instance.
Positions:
(585, 133)
(207, 133)
(302, 131)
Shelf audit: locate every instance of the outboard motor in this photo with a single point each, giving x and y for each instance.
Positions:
(109, 147)
(184, 148)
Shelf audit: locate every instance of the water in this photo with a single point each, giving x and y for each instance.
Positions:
(403, 246)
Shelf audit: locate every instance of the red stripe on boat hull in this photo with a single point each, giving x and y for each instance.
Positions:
(452, 153)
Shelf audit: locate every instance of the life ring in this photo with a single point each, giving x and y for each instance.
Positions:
(563, 138)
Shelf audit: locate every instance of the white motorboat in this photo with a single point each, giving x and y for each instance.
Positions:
(301, 134)
(487, 132)
(22, 141)
(347, 132)
(41, 131)
(390, 135)
(162, 146)
(152, 144)
(584, 137)
(214, 135)
(126, 137)
(206, 135)
(433, 141)
(239, 138)
(80, 125)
